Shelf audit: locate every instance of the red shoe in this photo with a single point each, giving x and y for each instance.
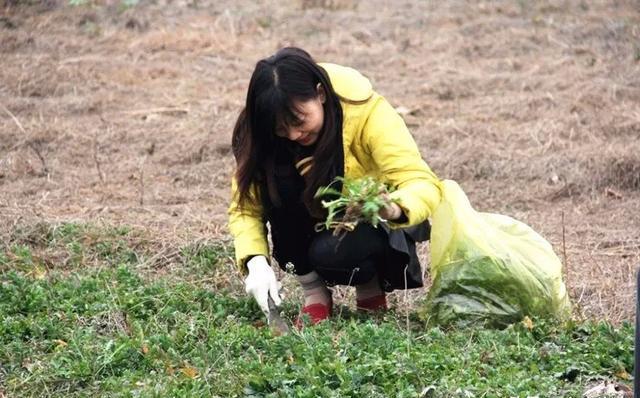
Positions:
(317, 313)
(372, 304)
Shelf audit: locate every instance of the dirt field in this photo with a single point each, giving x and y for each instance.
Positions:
(123, 114)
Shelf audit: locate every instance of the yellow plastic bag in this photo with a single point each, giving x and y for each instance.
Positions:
(489, 268)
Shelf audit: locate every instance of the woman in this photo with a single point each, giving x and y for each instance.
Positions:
(303, 125)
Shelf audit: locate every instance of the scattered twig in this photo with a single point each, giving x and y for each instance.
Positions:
(348, 284)
(567, 190)
(166, 254)
(141, 180)
(406, 311)
(96, 159)
(613, 193)
(16, 121)
(564, 250)
(167, 110)
(73, 60)
(34, 148)
(25, 140)
(566, 268)
(231, 22)
(95, 152)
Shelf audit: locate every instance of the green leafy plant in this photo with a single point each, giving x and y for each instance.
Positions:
(361, 200)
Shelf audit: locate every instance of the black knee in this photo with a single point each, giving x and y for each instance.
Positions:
(350, 276)
(350, 260)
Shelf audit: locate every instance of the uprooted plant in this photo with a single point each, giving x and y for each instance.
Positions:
(361, 200)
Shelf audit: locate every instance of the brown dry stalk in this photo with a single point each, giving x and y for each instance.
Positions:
(96, 159)
(165, 110)
(25, 140)
(564, 251)
(17, 122)
(141, 181)
(34, 148)
(406, 311)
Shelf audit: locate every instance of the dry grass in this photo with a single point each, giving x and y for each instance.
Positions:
(534, 107)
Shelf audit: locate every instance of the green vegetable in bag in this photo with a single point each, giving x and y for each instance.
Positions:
(489, 268)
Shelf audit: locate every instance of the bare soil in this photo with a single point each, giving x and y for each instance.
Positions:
(123, 114)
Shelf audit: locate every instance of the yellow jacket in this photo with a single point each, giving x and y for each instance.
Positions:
(376, 142)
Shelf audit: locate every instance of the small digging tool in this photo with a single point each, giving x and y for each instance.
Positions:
(277, 325)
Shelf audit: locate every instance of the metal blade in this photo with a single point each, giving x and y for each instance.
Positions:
(277, 325)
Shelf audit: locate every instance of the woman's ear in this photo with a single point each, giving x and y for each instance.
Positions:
(321, 93)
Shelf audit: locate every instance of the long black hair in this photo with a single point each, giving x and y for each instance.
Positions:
(277, 83)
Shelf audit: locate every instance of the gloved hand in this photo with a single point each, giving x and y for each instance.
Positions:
(261, 283)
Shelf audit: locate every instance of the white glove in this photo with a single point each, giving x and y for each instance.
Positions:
(262, 283)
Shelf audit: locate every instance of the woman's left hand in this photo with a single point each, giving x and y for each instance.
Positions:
(391, 212)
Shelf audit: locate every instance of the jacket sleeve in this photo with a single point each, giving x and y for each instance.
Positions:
(394, 152)
(248, 228)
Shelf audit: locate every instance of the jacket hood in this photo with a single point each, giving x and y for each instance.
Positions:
(348, 83)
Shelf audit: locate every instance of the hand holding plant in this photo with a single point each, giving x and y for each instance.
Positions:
(391, 211)
(361, 200)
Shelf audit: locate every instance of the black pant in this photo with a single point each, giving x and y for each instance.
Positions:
(350, 260)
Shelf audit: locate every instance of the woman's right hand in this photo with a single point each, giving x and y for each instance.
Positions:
(261, 283)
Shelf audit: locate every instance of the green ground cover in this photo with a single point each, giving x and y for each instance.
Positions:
(112, 328)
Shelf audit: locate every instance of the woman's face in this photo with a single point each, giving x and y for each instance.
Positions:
(311, 116)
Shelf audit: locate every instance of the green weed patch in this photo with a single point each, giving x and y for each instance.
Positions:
(111, 331)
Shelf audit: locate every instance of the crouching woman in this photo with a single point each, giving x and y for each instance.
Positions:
(304, 124)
